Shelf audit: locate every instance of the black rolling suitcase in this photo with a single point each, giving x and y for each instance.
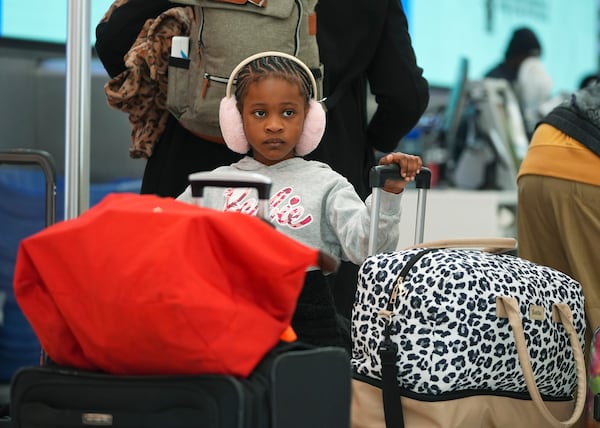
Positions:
(294, 385)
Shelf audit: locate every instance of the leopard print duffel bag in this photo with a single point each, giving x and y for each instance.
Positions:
(447, 337)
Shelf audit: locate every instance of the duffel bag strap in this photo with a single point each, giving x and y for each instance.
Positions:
(508, 307)
(394, 416)
(388, 352)
(491, 245)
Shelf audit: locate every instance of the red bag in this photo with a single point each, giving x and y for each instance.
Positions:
(145, 285)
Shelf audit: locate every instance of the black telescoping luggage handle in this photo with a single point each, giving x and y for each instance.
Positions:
(377, 177)
(380, 173)
(200, 180)
(45, 161)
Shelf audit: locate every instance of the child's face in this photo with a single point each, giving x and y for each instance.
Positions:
(273, 113)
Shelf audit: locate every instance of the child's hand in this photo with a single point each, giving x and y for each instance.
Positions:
(410, 166)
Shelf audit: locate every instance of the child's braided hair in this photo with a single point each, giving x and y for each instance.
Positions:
(272, 66)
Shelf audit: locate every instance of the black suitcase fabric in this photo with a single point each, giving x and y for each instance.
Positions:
(290, 388)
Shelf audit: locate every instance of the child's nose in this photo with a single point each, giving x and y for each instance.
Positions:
(274, 124)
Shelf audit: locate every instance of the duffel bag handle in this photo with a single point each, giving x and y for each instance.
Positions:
(491, 245)
(508, 307)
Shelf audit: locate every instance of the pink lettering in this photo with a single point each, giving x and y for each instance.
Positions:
(280, 196)
(290, 215)
(239, 200)
(286, 208)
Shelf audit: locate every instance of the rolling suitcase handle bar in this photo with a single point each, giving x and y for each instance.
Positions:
(45, 161)
(200, 180)
(377, 178)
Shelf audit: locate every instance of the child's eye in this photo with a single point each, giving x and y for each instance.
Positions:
(259, 113)
(288, 113)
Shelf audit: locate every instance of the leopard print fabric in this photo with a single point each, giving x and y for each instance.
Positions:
(444, 322)
(141, 90)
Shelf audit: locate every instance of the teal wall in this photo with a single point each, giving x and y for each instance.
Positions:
(442, 32)
(445, 30)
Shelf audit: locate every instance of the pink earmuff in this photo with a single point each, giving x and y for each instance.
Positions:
(230, 118)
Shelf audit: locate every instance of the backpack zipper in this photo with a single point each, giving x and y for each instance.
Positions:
(208, 78)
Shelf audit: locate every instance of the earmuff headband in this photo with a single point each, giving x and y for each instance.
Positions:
(251, 58)
(232, 126)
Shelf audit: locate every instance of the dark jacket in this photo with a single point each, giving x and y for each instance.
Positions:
(359, 42)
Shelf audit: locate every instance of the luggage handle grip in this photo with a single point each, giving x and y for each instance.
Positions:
(200, 180)
(377, 177)
(380, 173)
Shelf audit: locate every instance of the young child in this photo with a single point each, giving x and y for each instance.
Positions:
(275, 117)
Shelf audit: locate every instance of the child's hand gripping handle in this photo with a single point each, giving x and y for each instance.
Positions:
(377, 177)
(380, 173)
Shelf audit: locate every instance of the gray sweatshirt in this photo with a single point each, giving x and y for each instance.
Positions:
(312, 204)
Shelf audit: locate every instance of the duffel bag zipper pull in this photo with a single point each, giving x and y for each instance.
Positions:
(397, 290)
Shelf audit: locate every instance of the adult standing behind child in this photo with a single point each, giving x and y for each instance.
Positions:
(274, 116)
(558, 211)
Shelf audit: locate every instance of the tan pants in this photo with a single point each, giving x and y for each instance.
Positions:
(559, 226)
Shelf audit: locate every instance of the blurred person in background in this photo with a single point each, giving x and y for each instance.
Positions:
(522, 67)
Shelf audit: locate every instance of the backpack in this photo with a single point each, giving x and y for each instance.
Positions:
(223, 33)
